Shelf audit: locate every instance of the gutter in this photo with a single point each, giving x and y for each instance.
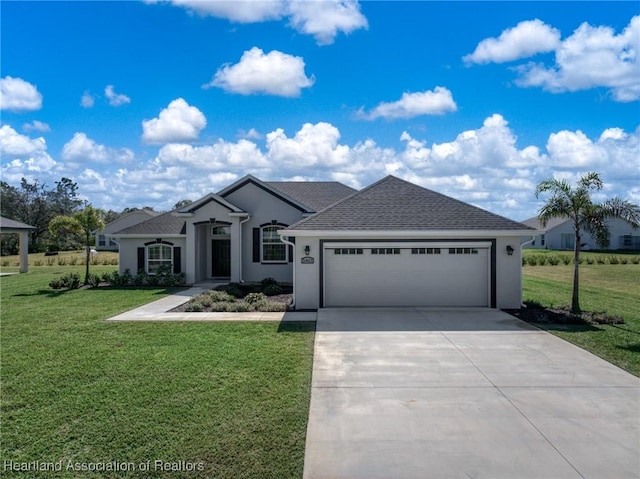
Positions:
(285, 240)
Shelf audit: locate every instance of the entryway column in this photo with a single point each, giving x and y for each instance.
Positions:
(24, 251)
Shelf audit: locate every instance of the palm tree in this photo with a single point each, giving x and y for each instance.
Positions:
(577, 205)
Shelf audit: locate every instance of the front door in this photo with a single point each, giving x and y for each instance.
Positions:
(221, 258)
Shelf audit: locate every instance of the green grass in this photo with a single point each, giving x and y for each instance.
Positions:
(231, 397)
(611, 288)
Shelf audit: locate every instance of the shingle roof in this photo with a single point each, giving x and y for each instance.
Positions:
(163, 224)
(395, 204)
(314, 194)
(552, 223)
(6, 223)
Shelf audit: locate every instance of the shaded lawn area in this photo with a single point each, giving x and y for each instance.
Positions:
(611, 288)
(232, 397)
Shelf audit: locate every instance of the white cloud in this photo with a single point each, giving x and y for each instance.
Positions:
(81, 149)
(323, 19)
(87, 100)
(436, 102)
(115, 99)
(23, 156)
(235, 11)
(312, 145)
(524, 40)
(19, 95)
(592, 57)
(252, 134)
(179, 122)
(274, 73)
(36, 125)
(13, 144)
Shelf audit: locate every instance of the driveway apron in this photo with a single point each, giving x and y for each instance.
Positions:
(463, 393)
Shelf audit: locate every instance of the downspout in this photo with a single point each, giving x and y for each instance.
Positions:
(522, 305)
(286, 241)
(241, 245)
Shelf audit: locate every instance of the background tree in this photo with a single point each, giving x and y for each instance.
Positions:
(35, 204)
(181, 204)
(82, 225)
(585, 215)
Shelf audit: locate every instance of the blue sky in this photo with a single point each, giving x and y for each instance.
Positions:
(147, 103)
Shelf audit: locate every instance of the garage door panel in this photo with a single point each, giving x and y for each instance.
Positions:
(407, 279)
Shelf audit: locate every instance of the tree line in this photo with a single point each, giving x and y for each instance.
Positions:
(37, 204)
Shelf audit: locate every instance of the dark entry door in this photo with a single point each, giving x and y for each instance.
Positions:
(221, 258)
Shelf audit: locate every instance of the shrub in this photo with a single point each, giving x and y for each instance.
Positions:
(267, 282)
(73, 260)
(566, 259)
(234, 289)
(635, 260)
(38, 262)
(253, 298)
(68, 281)
(553, 260)
(62, 261)
(590, 260)
(272, 289)
(194, 307)
(219, 296)
(542, 260)
(600, 260)
(532, 260)
(4, 263)
(624, 260)
(270, 306)
(51, 261)
(613, 260)
(93, 280)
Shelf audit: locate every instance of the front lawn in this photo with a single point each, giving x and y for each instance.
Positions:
(614, 288)
(224, 400)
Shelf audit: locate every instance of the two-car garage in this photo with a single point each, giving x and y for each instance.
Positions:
(407, 274)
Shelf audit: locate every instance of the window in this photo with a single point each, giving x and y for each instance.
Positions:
(541, 240)
(347, 251)
(425, 250)
(567, 240)
(385, 250)
(463, 251)
(101, 240)
(159, 255)
(273, 249)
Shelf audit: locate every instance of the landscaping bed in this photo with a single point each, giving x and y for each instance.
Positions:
(535, 313)
(266, 296)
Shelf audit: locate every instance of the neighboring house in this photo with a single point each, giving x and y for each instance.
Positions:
(105, 243)
(12, 226)
(559, 235)
(231, 235)
(391, 244)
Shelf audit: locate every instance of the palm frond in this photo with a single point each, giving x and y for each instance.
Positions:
(619, 208)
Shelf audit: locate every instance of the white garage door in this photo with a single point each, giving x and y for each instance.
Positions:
(421, 275)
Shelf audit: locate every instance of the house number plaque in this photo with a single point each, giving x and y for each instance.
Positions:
(307, 260)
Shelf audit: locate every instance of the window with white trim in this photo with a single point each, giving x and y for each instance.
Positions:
(273, 249)
(159, 255)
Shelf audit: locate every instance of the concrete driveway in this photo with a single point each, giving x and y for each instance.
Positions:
(464, 393)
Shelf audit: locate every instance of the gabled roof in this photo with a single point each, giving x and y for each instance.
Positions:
(9, 224)
(395, 204)
(163, 224)
(315, 194)
(211, 197)
(552, 223)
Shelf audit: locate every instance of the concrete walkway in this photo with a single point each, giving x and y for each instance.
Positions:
(159, 311)
(428, 393)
